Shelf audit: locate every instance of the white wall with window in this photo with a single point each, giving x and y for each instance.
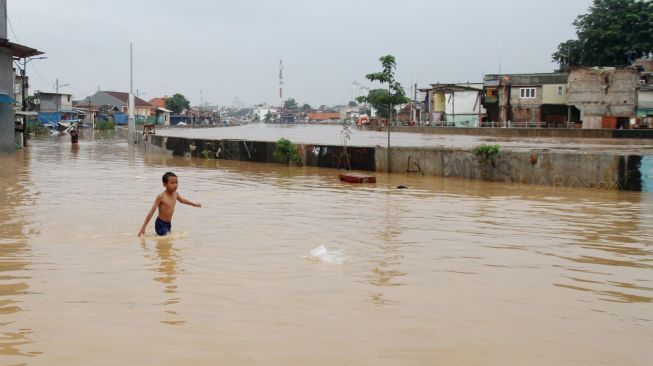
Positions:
(527, 93)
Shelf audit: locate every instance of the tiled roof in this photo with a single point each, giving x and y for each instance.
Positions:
(323, 116)
(158, 102)
(124, 97)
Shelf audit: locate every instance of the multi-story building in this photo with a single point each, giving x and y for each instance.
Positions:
(605, 96)
(528, 98)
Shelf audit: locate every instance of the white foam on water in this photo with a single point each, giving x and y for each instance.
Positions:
(171, 236)
(322, 254)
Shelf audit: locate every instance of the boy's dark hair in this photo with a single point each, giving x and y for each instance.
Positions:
(168, 175)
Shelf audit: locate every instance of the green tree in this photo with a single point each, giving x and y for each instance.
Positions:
(378, 99)
(290, 104)
(177, 103)
(613, 33)
(395, 94)
(32, 104)
(306, 107)
(352, 103)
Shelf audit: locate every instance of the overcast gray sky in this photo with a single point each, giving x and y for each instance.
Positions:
(229, 49)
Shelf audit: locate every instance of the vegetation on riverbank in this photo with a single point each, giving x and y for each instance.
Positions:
(285, 152)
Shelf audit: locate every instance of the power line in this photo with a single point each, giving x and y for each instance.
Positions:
(39, 75)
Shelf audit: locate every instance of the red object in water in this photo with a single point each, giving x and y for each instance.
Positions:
(357, 178)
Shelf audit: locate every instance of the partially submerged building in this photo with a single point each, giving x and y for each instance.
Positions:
(10, 133)
(117, 105)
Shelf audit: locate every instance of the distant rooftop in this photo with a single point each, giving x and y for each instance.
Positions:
(124, 97)
(527, 79)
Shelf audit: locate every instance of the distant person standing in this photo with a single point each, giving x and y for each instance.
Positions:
(74, 136)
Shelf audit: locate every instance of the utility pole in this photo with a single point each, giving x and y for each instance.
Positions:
(24, 87)
(131, 122)
(415, 111)
(410, 115)
(388, 126)
(58, 97)
(22, 78)
(280, 89)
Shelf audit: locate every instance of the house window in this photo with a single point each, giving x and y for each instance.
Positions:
(561, 90)
(68, 98)
(527, 93)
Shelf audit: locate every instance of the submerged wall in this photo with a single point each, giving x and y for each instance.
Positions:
(537, 166)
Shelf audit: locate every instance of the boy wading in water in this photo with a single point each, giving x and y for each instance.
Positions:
(166, 202)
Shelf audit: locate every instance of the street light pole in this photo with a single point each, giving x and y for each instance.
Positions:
(23, 91)
(388, 126)
(23, 73)
(22, 78)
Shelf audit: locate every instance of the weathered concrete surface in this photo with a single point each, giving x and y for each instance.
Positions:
(324, 156)
(603, 92)
(538, 166)
(576, 133)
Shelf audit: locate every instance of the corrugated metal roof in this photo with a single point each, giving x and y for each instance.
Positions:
(18, 50)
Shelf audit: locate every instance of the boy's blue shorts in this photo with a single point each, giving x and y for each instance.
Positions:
(162, 228)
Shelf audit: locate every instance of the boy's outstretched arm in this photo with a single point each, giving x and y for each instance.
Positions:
(157, 201)
(187, 202)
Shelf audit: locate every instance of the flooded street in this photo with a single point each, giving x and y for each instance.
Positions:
(450, 272)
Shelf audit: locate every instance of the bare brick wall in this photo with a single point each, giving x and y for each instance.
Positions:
(604, 92)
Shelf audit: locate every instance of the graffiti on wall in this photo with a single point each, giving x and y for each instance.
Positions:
(360, 158)
(471, 168)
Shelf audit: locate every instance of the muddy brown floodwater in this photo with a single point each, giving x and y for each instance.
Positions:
(447, 272)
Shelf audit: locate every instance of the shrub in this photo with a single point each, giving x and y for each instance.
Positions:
(105, 125)
(285, 152)
(487, 153)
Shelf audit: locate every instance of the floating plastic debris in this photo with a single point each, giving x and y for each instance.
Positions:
(321, 253)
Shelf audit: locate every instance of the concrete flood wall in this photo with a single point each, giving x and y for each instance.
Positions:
(535, 167)
(522, 132)
(323, 156)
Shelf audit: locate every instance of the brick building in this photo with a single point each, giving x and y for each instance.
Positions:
(606, 97)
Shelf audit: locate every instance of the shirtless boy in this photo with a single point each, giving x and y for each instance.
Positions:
(166, 202)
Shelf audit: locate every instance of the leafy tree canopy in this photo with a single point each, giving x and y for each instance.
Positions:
(613, 33)
(381, 99)
(177, 103)
(290, 104)
(353, 103)
(306, 107)
(378, 99)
